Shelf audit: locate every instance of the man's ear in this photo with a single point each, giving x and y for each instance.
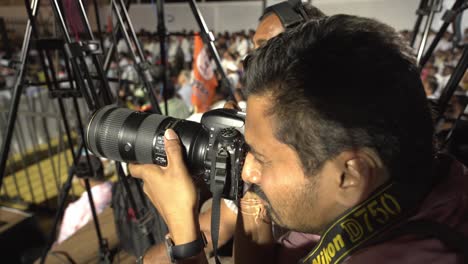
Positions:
(361, 173)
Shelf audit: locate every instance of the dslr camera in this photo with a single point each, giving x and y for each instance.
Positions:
(213, 149)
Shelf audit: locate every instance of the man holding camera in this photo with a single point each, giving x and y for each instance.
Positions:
(332, 156)
(271, 23)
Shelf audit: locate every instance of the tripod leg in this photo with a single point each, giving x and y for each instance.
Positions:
(163, 50)
(422, 61)
(104, 89)
(63, 197)
(138, 56)
(98, 23)
(132, 201)
(103, 249)
(89, 93)
(421, 13)
(17, 91)
(208, 38)
(427, 29)
(113, 47)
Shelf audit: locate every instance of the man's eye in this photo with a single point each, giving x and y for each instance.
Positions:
(259, 161)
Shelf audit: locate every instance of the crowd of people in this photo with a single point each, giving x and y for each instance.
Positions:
(232, 48)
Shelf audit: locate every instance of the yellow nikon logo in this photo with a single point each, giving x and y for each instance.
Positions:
(329, 251)
(357, 226)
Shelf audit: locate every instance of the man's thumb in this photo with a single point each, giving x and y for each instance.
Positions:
(173, 147)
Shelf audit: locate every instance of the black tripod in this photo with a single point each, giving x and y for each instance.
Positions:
(96, 94)
(75, 54)
(432, 7)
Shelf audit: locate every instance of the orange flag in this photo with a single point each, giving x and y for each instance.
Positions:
(205, 82)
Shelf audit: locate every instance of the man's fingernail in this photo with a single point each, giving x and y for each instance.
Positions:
(170, 134)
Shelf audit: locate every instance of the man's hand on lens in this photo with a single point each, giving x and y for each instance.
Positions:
(172, 191)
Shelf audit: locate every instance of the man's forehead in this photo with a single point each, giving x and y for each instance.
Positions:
(256, 119)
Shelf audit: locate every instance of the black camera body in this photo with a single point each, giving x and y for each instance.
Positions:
(226, 153)
(213, 149)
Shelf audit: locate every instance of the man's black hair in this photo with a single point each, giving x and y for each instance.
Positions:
(343, 83)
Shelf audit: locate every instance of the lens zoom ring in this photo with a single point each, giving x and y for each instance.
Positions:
(145, 137)
(110, 133)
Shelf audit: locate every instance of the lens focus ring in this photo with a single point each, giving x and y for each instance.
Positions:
(146, 136)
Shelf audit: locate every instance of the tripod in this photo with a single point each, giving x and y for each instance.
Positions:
(96, 94)
(429, 8)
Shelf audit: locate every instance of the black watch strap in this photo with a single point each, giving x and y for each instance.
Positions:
(188, 250)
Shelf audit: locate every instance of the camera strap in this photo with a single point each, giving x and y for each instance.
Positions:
(388, 206)
(215, 218)
(219, 170)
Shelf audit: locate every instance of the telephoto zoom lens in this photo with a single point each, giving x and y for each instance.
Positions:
(135, 137)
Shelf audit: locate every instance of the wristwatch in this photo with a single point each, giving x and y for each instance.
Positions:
(183, 251)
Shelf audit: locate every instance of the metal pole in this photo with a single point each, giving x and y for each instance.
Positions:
(163, 50)
(17, 91)
(104, 87)
(104, 252)
(139, 58)
(421, 12)
(98, 23)
(439, 35)
(60, 211)
(433, 6)
(209, 41)
(132, 201)
(113, 46)
(86, 87)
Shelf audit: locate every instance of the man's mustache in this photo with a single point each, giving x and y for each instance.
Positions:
(258, 191)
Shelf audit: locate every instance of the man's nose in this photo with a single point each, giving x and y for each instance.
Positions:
(251, 171)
